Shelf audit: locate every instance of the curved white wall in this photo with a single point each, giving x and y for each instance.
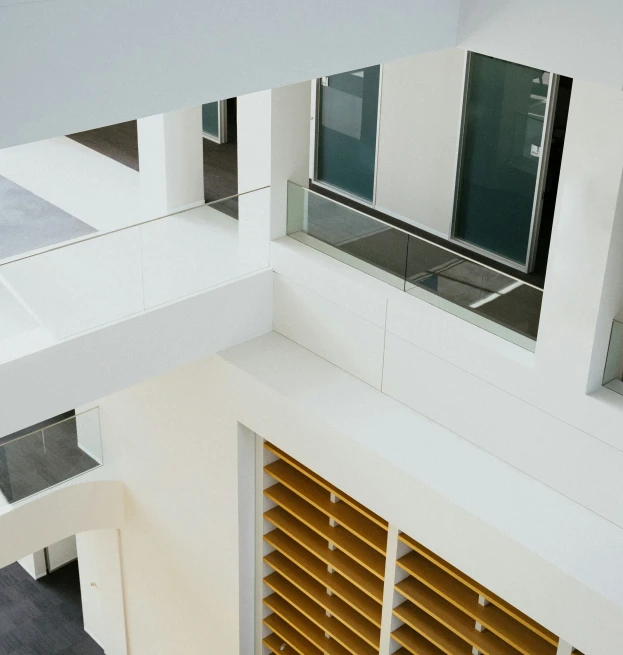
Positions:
(46, 519)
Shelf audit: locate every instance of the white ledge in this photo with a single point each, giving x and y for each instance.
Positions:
(547, 523)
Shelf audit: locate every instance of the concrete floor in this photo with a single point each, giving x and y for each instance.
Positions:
(28, 222)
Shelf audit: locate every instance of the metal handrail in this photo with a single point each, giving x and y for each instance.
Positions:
(51, 425)
(99, 235)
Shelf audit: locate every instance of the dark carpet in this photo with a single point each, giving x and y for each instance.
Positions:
(42, 617)
(119, 142)
(32, 463)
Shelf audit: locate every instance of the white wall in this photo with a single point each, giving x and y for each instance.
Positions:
(531, 410)
(555, 36)
(49, 517)
(175, 441)
(585, 220)
(419, 128)
(59, 554)
(547, 555)
(34, 564)
(62, 552)
(475, 383)
(100, 63)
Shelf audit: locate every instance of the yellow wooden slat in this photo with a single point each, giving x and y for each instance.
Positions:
(413, 642)
(479, 589)
(290, 636)
(320, 498)
(327, 485)
(319, 523)
(429, 628)
(422, 571)
(303, 625)
(456, 621)
(317, 615)
(329, 602)
(339, 585)
(277, 645)
(338, 560)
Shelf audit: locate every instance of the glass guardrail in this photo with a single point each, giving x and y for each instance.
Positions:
(613, 372)
(33, 462)
(492, 300)
(68, 289)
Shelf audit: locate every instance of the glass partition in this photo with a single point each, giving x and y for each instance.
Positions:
(100, 279)
(348, 106)
(348, 235)
(483, 296)
(472, 291)
(34, 462)
(214, 121)
(613, 373)
(503, 157)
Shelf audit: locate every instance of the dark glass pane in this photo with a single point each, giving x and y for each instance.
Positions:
(209, 117)
(503, 129)
(347, 122)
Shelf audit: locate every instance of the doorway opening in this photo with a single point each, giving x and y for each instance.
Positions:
(41, 604)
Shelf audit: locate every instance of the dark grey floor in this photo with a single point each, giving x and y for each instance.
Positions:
(28, 222)
(32, 463)
(42, 617)
(119, 142)
(424, 265)
(220, 161)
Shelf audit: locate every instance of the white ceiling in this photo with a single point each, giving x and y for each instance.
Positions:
(70, 65)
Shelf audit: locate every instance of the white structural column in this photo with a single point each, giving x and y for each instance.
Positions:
(564, 648)
(584, 285)
(170, 149)
(34, 564)
(390, 597)
(273, 147)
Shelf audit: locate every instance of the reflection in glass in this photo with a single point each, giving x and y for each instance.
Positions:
(475, 293)
(210, 119)
(347, 125)
(347, 234)
(505, 109)
(478, 289)
(46, 457)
